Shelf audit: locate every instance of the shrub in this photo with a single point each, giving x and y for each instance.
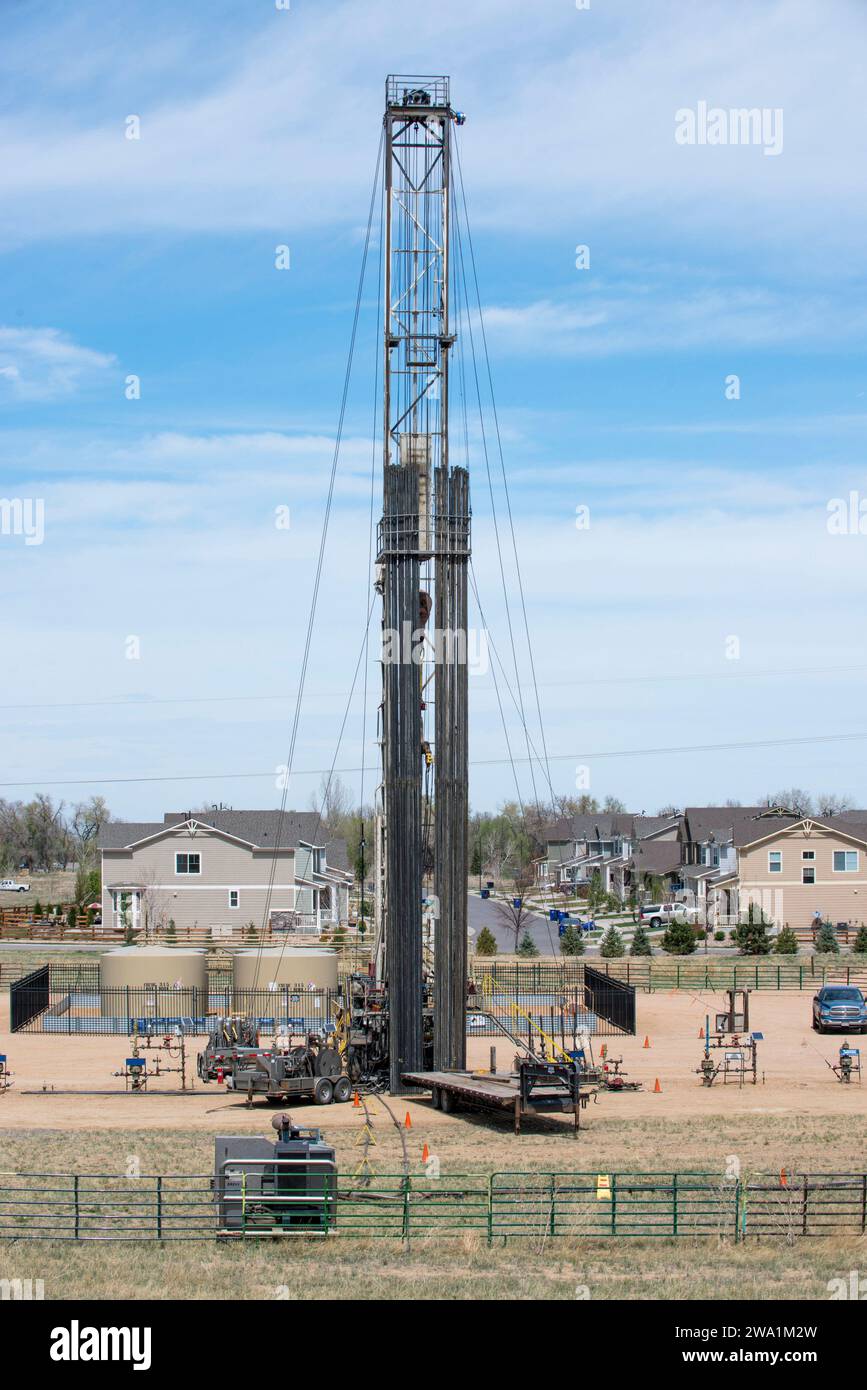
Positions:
(786, 943)
(486, 945)
(640, 942)
(37, 909)
(719, 936)
(572, 941)
(528, 946)
(826, 941)
(72, 917)
(612, 944)
(679, 939)
(751, 937)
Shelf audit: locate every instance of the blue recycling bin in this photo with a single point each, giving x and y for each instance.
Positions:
(561, 930)
(553, 915)
(516, 902)
(486, 892)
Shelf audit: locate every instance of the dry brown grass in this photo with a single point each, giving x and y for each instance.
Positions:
(453, 1268)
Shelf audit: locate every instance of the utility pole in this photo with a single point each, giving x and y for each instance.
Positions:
(425, 518)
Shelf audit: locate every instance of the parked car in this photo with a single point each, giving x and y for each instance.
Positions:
(9, 885)
(660, 914)
(840, 1006)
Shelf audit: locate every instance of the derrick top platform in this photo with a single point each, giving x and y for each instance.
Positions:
(417, 92)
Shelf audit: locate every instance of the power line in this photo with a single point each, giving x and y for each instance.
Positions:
(819, 671)
(794, 741)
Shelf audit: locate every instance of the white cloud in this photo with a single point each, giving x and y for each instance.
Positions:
(43, 363)
(571, 118)
(639, 320)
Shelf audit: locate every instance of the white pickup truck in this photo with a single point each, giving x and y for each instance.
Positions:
(660, 914)
(8, 885)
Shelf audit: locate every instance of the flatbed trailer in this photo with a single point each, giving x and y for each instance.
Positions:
(537, 1088)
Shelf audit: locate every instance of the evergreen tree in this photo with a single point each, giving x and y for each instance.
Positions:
(486, 945)
(826, 941)
(860, 944)
(528, 946)
(786, 943)
(679, 939)
(572, 941)
(612, 944)
(640, 942)
(751, 937)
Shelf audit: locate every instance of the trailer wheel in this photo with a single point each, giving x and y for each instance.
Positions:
(323, 1091)
(447, 1102)
(342, 1089)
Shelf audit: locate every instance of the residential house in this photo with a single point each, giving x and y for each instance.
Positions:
(222, 869)
(577, 847)
(806, 869)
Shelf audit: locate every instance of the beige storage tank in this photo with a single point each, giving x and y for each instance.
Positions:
(165, 981)
(303, 966)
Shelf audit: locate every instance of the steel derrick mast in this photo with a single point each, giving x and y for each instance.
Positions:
(423, 543)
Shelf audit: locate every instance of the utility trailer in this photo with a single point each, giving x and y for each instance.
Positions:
(536, 1088)
(311, 1070)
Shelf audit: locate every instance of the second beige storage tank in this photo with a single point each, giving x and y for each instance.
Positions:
(302, 966)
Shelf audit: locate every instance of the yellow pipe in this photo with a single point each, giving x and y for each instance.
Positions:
(549, 1040)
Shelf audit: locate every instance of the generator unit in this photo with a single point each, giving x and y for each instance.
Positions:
(288, 1187)
(233, 1037)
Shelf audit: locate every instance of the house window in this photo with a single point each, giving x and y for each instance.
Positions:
(234, 897)
(775, 861)
(808, 874)
(808, 854)
(845, 861)
(188, 863)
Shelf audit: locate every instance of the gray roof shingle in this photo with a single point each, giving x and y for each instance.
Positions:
(259, 828)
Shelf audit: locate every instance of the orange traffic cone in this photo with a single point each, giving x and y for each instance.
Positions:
(647, 1042)
(604, 1051)
(784, 1178)
(425, 1154)
(701, 1032)
(407, 1124)
(657, 1090)
(356, 1103)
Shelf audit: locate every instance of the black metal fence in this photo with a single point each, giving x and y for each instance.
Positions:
(69, 999)
(610, 999)
(562, 1001)
(29, 997)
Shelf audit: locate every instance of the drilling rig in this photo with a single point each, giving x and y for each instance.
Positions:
(423, 539)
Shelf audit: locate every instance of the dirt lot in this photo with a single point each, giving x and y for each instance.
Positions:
(800, 1119)
(791, 1059)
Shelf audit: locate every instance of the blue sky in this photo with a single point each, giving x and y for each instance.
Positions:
(156, 257)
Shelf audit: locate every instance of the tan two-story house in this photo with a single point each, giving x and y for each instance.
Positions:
(223, 869)
(812, 868)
